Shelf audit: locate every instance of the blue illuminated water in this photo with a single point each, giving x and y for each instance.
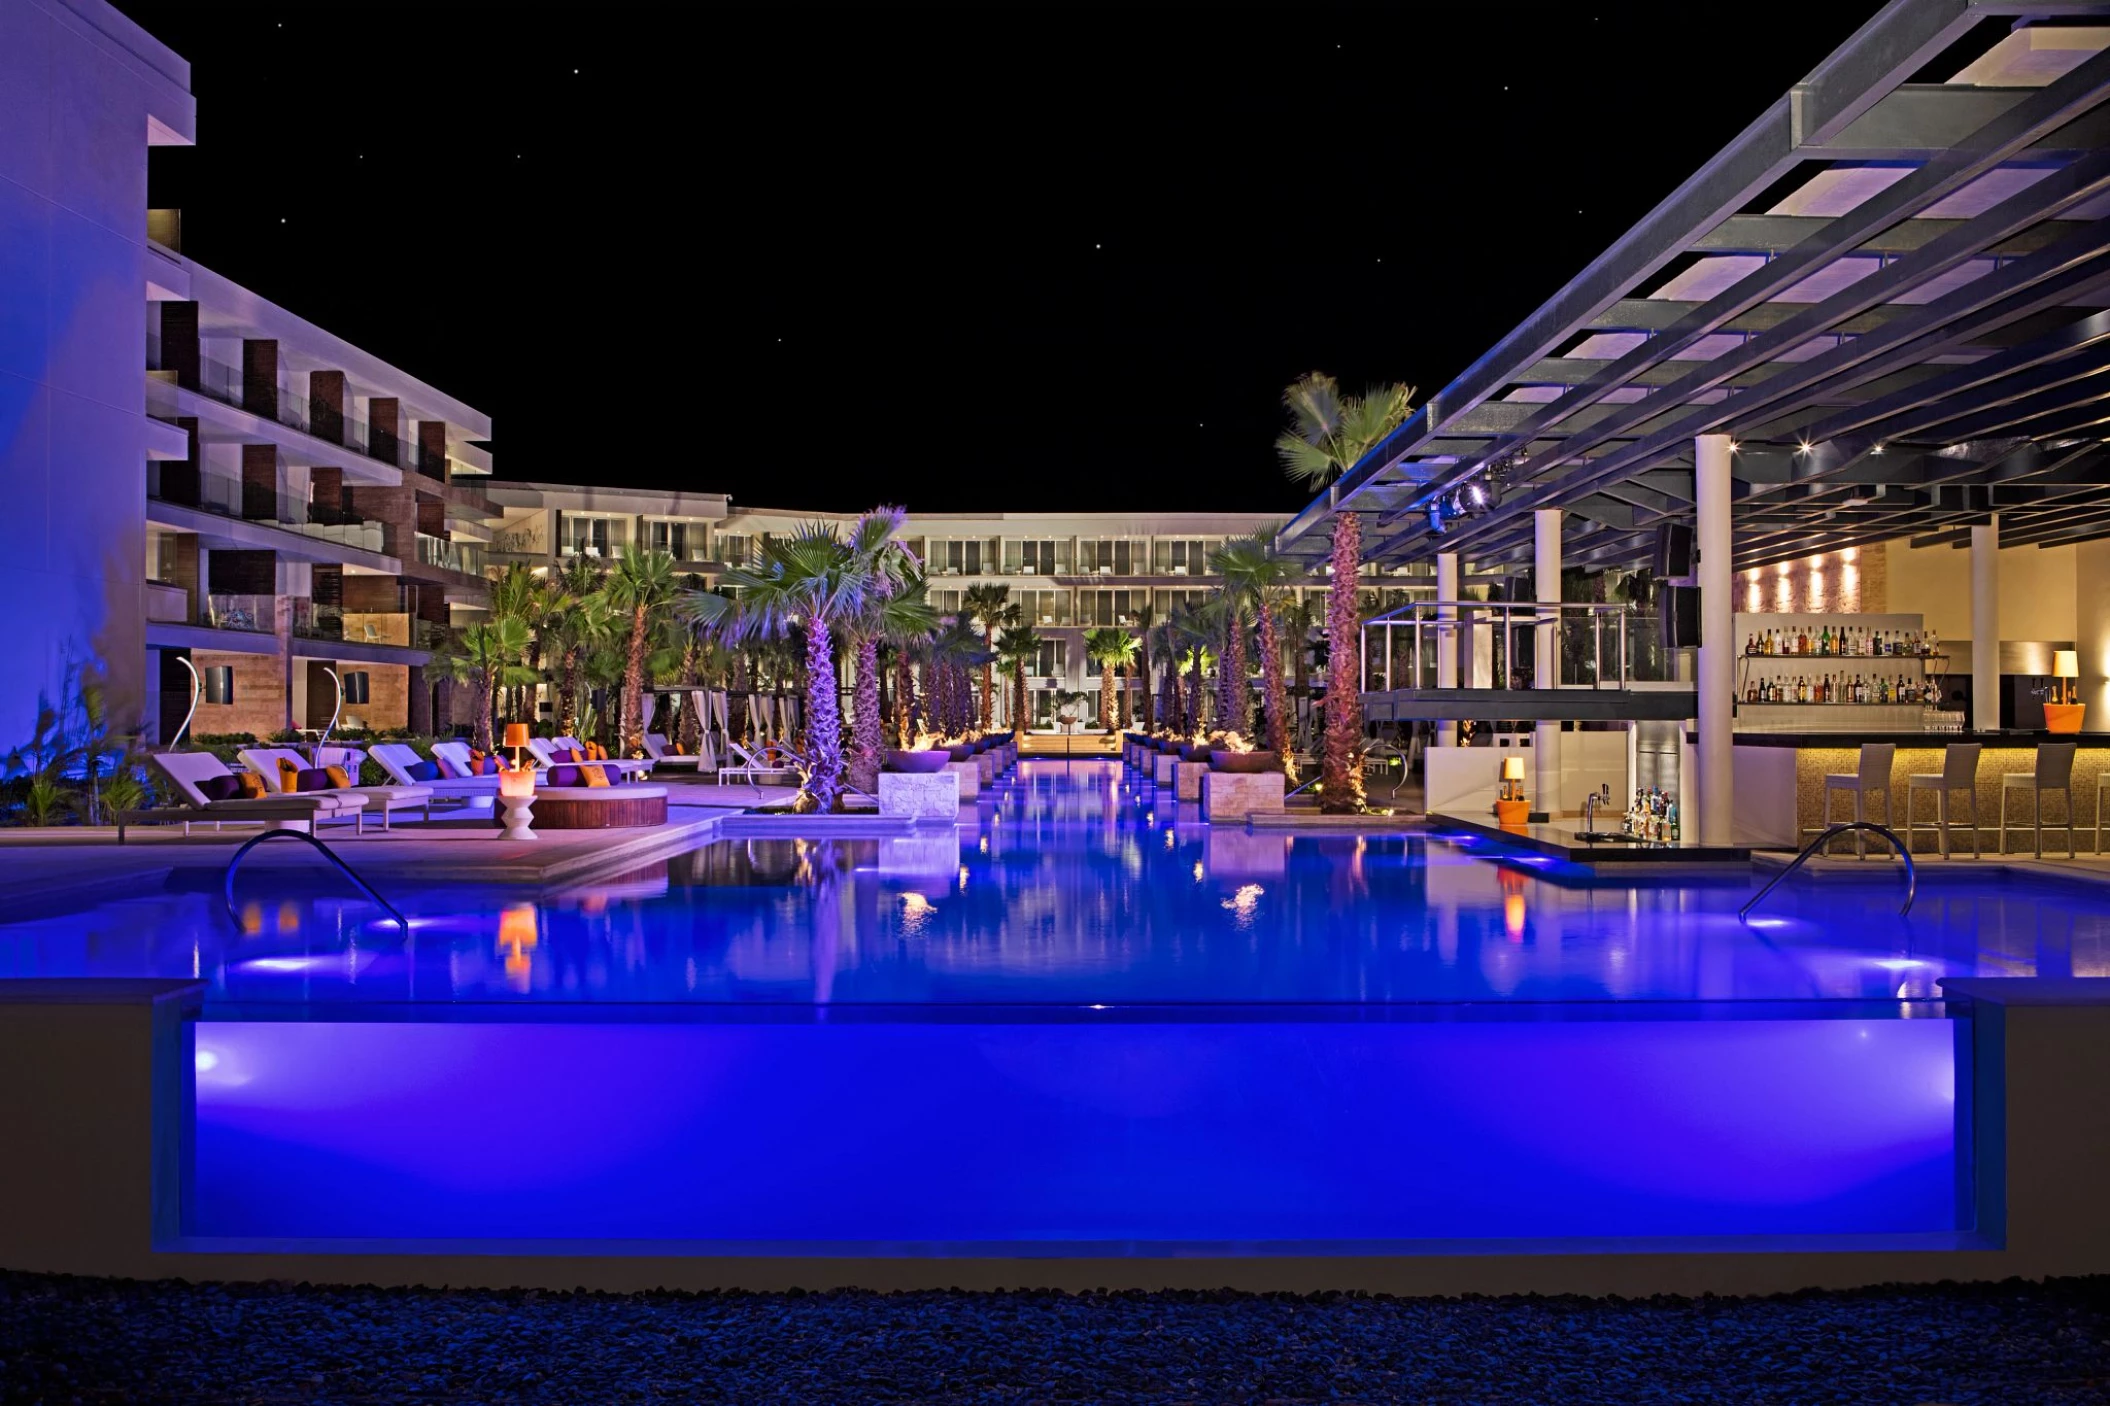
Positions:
(1080, 1020)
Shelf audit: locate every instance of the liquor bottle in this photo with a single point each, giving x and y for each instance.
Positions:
(1674, 827)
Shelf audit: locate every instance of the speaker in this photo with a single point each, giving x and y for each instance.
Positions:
(1674, 554)
(1678, 615)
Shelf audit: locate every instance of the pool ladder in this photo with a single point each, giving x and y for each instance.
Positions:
(1912, 882)
(227, 884)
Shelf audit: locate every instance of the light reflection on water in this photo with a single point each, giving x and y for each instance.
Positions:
(1069, 885)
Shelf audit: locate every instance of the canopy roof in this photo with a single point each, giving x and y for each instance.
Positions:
(1892, 291)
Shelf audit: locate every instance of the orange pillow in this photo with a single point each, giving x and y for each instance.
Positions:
(593, 776)
(252, 785)
(339, 777)
(288, 776)
(596, 752)
(680, 751)
(476, 762)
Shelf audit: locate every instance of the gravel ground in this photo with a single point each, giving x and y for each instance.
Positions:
(85, 1340)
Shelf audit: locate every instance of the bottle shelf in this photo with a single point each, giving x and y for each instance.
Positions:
(1837, 658)
(1908, 703)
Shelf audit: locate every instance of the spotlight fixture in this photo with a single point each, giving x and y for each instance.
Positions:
(1477, 496)
(1437, 524)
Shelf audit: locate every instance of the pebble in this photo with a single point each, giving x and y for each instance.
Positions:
(98, 1341)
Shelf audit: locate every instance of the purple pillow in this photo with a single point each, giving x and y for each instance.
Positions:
(566, 775)
(490, 767)
(312, 778)
(423, 771)
(562, 754)
(219, 788)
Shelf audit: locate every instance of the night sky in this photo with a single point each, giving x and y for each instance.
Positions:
(958, 258)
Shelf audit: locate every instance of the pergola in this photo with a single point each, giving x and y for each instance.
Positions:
(1891, 293)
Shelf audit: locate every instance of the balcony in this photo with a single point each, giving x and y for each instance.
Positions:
(398, 628)
(167, 603)
(225, 495)
(464, 557)
(218, 381)
(245, 614)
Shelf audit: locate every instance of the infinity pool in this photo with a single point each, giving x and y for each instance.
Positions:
(1080, 1019)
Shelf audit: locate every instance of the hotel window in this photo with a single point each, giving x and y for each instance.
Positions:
(670, 537)
(1110, 557)
(1183, 556)
(734, 548)
(1043, 607)
(946, 602)
(355, 686)
(957, 558)
(219, 683)
(591, 537)
(1054, 661)
(1036, 558)
(1169, 601)
(1109, 607)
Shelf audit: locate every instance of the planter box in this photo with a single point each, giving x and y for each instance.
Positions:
(968, 775)
(1187, 780)
(920, 795)
(1161, 765)
(1235, 795)
(985, 767)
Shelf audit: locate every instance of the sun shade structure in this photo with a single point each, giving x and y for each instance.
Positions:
(1892, 291)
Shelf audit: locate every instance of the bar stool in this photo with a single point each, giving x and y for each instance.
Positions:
(1872, 774)
(1959, 772)
(2102, 784)
(2054, 773)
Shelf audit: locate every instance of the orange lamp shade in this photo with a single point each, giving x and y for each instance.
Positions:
(516, 735)
(512, 782)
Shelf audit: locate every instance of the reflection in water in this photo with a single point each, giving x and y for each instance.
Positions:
(1069, 885)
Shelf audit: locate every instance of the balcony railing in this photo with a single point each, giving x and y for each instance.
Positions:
(1593, 645)
(226, 384)
(225, 495)
(465, 557)
(249, 614)
(385, 627)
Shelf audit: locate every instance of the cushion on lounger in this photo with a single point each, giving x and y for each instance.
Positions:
(313, 778)
(288, 775)
(680, 751)
(562, 754)
(252, 786)
(593, 775)
(565, 775)
(340, 779)
(423, 771)
(450, 769)
(219, 788)
(476, 762)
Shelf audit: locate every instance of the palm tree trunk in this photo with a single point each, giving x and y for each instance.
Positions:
(1150, 713)
(1106, 695)
(486, 690)
(1019, 715)
(988, 695)
(865, 731)
(904, 701)
(531, 713)
(824, 719)
(568, 693)
(1193, 719)
(1233, 693)
(633, 733)
(1341, 772)
(1273, 701)
(1168, 697)
(691, 735)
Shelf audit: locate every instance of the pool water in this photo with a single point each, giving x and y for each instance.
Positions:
(1078, 1021)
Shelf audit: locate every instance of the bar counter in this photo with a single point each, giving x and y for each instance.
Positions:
(1780, 785)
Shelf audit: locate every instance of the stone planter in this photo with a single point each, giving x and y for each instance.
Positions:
(1231, 796)
(1161, 767)
(921, 794)
(969, 773)
(924, 763)
(1187, 780)
(1245, 763)
(985, 767)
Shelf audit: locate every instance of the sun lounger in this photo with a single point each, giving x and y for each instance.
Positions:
(397, 759)
(264, 761)
(186, 770)
(663, 754)
(753, 768)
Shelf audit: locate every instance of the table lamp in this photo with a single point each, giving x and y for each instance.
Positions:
(516, 738)
(2064, 714)
(1512, 808)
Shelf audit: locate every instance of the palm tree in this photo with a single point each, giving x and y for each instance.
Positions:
(1164, 641)
(579, 618)
(812, 580)
(1298, 618)
(1110, 649)
(1328, 435)
(896, 610)
(1019, 651)
(1191, 630)
(988, 608)
(642, 583)
(1146, 621)
(486, 656)
(1253, 573)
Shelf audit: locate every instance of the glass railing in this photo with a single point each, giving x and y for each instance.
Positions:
(247, 613)
(465, 557)
(387, 627)
(225, 384)
(225, 495)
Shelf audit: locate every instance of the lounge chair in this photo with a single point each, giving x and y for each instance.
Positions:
(265, 762)
(397, 759)
(187, 770)
(663, 754)
(754, 768)
(543, 747)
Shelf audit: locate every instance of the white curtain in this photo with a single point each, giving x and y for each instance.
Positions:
(705, 750)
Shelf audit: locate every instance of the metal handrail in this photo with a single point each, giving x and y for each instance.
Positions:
(1912, 882)
(227, 885)
(1444, 618)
